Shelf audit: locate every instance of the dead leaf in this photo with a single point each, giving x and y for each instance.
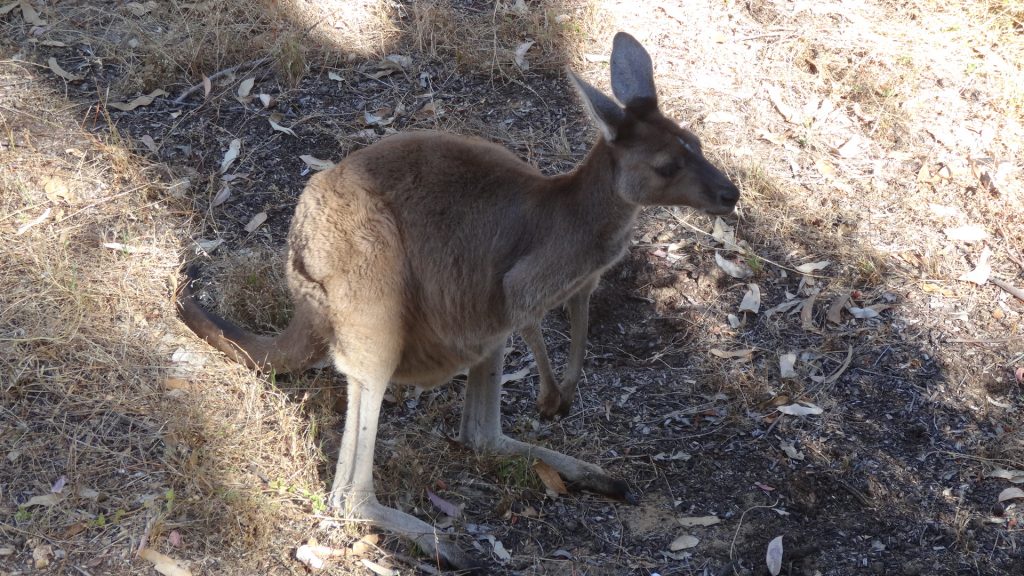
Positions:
(791, 450)
(52, 62)
(786, 363)
(773, 557)
(174, 538)
(835, 309)
(851, 147)
(520, 56)
(801, 409)
(812, 267)
(230, 155)
(689, 521)
(41, 556)
(500, 551)
(721, 117)
(222, 196)
(970, 233)
(745, 354)
(365, 545)
(7, 8)
(144, 100)
(46, 500)
(449, 509)
(273, 119)
(401, 60)
(684, 542)
(382, 117)
(1011, 494)
(209, 246)
(752, 299)
(164, 564)
(735, 269)
(519, 8)
(150, 143)
(256, 221)
(839, 372)
(825, 168)
(981, 272)
(782, 308)
(725, 234)
(177, 384)
(943, 211)
(332, 75)
(29, 14)
(377, 568)
(316, 163)
(550, 477)
(515, 376)
(267, 100)
(244, 88)
(207, 87)
(807, 315)
(140, 9)
(33, 222)
(867, 313)
(787, 111)
(1014, 476)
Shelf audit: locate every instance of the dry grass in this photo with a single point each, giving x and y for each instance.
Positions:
(155, 435)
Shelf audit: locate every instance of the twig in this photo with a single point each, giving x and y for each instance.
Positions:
(1017, 292)
(181, 97)
(732, 546)
(758, 256)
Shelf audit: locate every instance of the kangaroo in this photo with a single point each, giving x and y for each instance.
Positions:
(418, 256)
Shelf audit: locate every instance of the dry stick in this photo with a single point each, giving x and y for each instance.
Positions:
(732, 546)
(759, 257)
(1017, 292)
(181, 97)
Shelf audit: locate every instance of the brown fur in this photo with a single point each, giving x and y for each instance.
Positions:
(416, 257)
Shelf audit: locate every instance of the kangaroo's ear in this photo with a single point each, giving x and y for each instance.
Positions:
(604, 111)
(632, 74)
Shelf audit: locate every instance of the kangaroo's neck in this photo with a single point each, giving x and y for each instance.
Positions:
(598, 205)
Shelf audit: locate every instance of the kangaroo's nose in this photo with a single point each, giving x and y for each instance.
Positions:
(729, 193)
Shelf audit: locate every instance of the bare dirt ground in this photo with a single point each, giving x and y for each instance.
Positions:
(881, 138)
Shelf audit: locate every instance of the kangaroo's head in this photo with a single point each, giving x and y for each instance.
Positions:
(656, 161)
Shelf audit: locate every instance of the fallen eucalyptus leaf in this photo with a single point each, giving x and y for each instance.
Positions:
(1014, 476)
(801, 409)
(773, 557)
(812, 266)
(233, 148)
(52, 62)
(786, 363)
(256, 222)
(981, 272)
(745, 354)
(273, 124)
(1011, 494)
(520, 56)
(689, 521)
(752, 299)
(550, 477)
(791, 450)
(164, 564)
(683, 542)
(316, 163)
(970, 233)
(735, 269)
(144, 100)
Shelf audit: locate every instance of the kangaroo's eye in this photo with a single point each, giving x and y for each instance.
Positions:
(667, 170)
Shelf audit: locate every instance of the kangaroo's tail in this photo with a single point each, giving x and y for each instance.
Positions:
(298, 347)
